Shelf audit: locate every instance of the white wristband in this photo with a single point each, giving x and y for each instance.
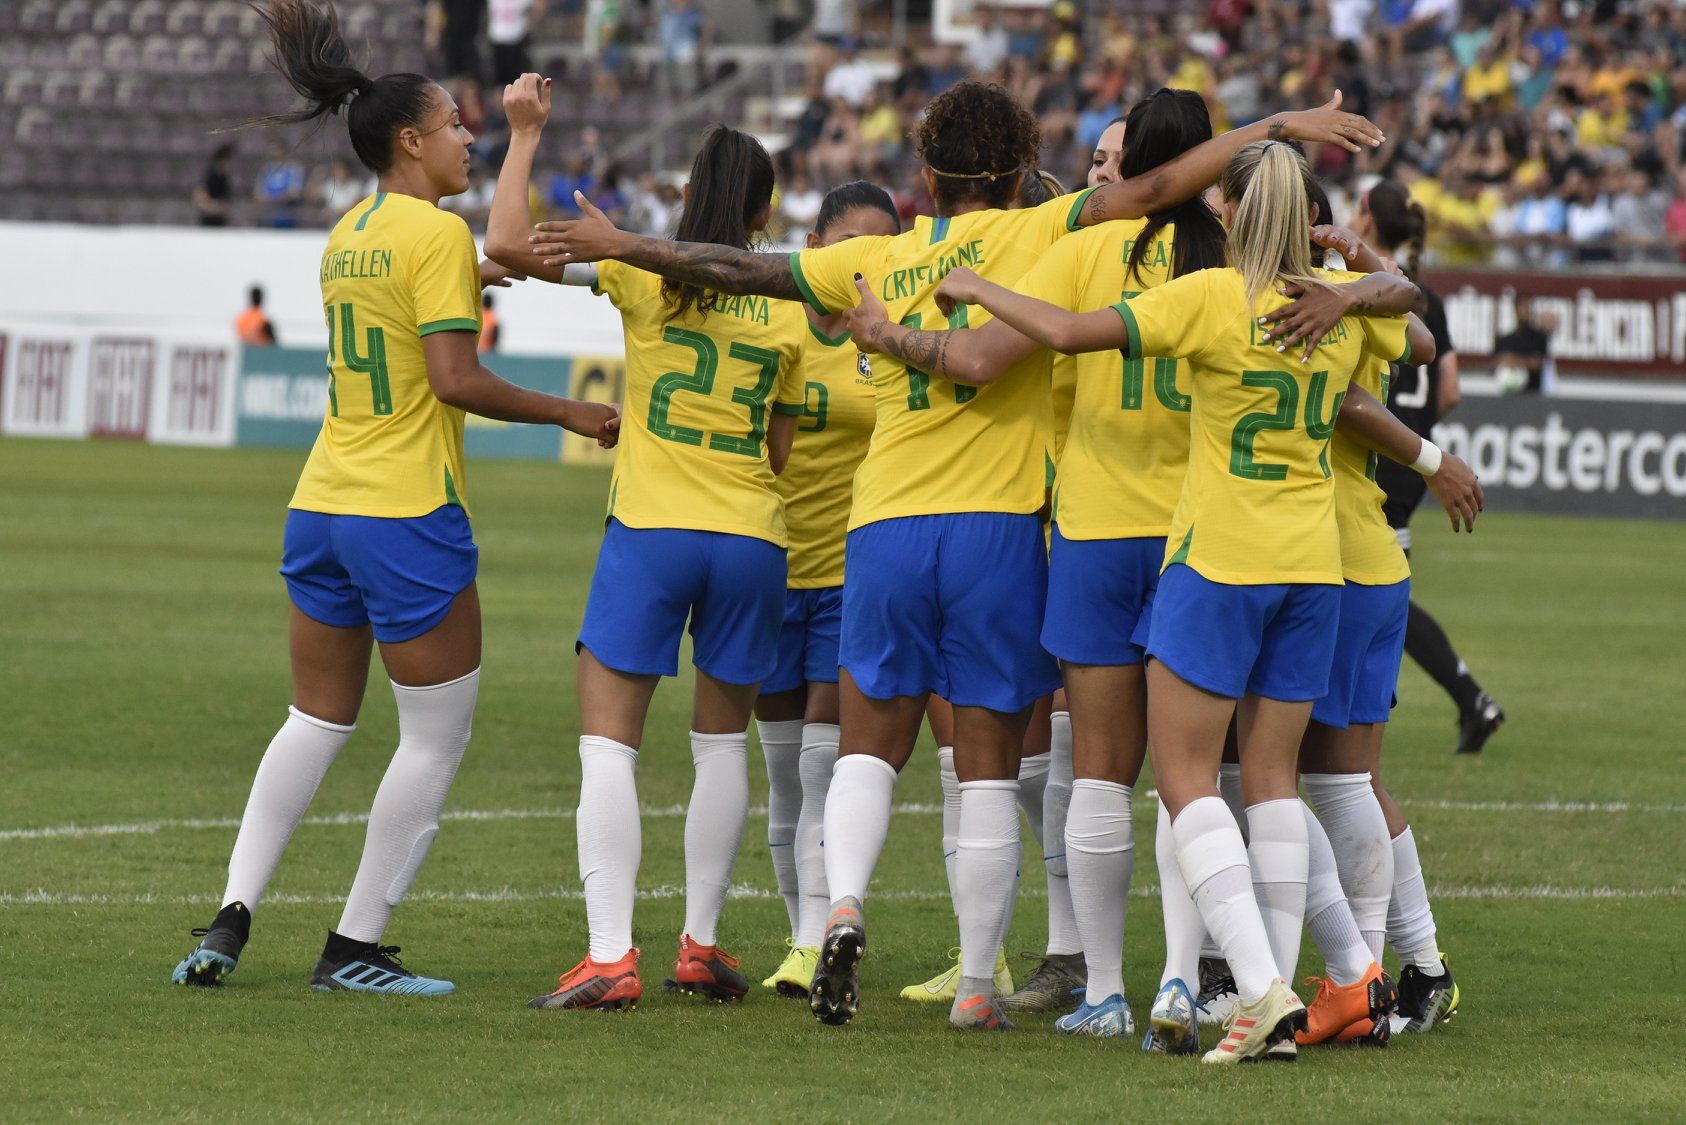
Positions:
(1428, 459)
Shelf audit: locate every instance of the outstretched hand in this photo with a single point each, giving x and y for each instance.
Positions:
(598, 420)
(526, 103)
(1454, 484)
(866, 319)
(1328, 123)
(589, 238)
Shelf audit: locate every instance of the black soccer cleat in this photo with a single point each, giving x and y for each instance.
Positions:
(1478, 724)
(1217, 997)
(835, 995)
(1424, 1000)
(347, 965)
(219, 950)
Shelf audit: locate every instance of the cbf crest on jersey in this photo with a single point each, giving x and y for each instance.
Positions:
(863, 368)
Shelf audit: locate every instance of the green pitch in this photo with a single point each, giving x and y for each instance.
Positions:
(143, 652)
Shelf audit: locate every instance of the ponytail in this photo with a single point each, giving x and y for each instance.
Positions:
(731, 185)
(314, 59)
(1400, 221)
(1268, 181)
(1160, 128)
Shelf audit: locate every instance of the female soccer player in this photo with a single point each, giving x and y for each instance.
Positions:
(695, 531)
(1388, 218)
(1253, 558)
(1119, 475)
(945, 551)
(1109, 154)
(377, 541)
(816, 449)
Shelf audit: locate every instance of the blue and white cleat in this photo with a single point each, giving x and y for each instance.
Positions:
(356, 966)
(1110, 1019)
(218, 950)
(1173, 1028)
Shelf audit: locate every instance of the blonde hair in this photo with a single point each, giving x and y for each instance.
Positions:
(1268, 238)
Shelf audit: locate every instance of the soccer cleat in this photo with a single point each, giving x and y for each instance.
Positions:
(1110, 1019)
(1424, 1000)
(1055, 985)
(219, 950)
(707, 971)
(1477, 725)
(795, 975)
(1260, 1030)
(596, 986)
(941, 987)
(1173, 1028)
(361, 966)
(1360, 1008)
(978, 1013)
(835, 995)
(1217, 997)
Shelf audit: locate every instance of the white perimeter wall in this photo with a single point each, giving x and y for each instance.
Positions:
(192, 281)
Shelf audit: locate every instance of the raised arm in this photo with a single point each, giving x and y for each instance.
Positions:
(1373, 426)
(724, 269)
(1199, 168)
(976, 356)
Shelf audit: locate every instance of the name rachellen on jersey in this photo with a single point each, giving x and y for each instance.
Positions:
(337, 264)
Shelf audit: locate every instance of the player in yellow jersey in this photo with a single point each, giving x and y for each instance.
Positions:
(377, 545)
(816, 447)
(1119, 475)
(695, 533)
(1246, 609)
(949, 592)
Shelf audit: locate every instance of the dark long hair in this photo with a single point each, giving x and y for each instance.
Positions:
(843, 198)
(1400, 220)
(731, 185)
(314, 59)
(1159, 128)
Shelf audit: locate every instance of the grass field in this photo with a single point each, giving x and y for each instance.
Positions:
(144, 668)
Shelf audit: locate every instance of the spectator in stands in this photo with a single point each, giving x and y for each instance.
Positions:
(1638, 211)
(1527, 347)
(490, 328)
(339, 191)
(850, 78)
(683, 32)
(280, 188)
(575, 176)
(454, 34)
(252, 326)
(799, 205)
(508, 23)
(1588, 219)
(988, 47)
(1674, 222)
(213, 199)
(834, 157)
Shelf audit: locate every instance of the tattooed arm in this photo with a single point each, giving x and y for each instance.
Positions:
(1366, 421)
(1318, 305)
(975, 356)
(724, 269)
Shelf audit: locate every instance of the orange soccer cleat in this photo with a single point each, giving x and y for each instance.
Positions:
(1347, 1013)
(708, 971)
(596, 986)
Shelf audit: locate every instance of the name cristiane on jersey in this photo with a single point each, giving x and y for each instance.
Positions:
(911, 281)
(337, 264)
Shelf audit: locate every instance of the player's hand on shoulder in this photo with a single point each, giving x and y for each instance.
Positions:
(492, 274)
(960, 286)
(1338, 239)
(589, 238)
(1455, 485)
(866, 319)
(1313, 308)
(526, 103)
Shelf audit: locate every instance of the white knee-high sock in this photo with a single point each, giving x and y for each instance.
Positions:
(986, 870)
(1033, 781)
(950, 782)
(610, 842)
(1101, 852)
(1214, 865)
(1345, 956)
(714, 824)
(781, 745)
(1063, 936)
(857, 818)
(1277, 852)
(1033, 790)
(819, 756)
(434, 724)
(297, 759)
(1346, 806)
(1185, 930)
(1410, 919)
(1229, 786)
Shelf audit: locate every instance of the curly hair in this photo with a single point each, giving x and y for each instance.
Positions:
(978, 139)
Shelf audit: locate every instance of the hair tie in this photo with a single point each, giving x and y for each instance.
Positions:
(364, 85)
(990, 176)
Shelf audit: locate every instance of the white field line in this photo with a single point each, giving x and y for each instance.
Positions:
(152, 827)
(1531, 893)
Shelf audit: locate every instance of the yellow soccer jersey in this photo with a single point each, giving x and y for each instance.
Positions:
(396, 269)
(940, 446)
(837, 415)
(1370, 552)
(1120, 471)
(693, 450)
(1258, 503)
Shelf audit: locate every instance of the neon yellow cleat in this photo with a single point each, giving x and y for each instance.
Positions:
(941, 987)
(795, 973)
